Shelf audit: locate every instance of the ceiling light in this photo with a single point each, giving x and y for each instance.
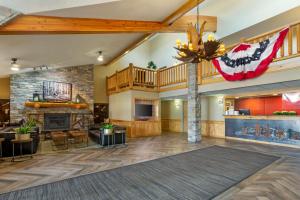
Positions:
(100, 57)
(14, 65)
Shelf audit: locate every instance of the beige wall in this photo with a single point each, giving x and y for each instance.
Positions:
(4, 88)
(172, 109)
(139, 57)
(215, 109)
(121, 104)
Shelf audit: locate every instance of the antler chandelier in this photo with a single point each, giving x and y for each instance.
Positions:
(196, 49)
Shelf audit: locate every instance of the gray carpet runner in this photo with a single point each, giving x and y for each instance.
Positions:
(199, 174)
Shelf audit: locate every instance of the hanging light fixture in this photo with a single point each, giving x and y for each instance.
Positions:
(14, 65)
(100, 56)
(196, 49)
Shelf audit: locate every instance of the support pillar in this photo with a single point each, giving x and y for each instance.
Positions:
(194, 109)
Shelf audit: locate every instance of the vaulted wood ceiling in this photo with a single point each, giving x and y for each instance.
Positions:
(137, 20)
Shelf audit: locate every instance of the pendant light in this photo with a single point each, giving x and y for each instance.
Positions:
(14, 65)
(100, 57)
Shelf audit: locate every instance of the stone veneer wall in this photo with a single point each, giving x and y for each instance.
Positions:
(23, 85)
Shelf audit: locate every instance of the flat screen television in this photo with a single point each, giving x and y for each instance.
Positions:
(244, 111)
(143, 111)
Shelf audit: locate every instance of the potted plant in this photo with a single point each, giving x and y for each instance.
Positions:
(23, 133)
(292, 113)
(277, 113)
(108, 129)
(152, 65)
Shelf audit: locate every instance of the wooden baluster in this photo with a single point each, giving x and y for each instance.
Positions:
(180, 73)
(131, 75)
(173, 75)
(210, 69)
(169, 77)
(176, 74)
(117, 82)
(206, 68)
(290, 41)
(143, 77)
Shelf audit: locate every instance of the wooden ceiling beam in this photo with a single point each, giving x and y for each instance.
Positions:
(181, 24)
(31, 24)
(181, 11)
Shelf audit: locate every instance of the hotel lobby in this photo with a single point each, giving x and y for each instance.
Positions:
(137, 99)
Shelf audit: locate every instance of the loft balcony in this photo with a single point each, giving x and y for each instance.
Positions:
(175, 77)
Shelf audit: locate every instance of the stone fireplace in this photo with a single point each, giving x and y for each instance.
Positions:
(57, 121)
(23, 85)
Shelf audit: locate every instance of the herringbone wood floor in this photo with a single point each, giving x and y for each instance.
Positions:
(281, 180)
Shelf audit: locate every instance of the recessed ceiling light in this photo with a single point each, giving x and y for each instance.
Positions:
(100, 57)
(14, 65)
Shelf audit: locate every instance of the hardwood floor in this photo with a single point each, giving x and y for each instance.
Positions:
(280, 180)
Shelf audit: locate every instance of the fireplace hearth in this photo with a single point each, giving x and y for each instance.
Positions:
(57, 121)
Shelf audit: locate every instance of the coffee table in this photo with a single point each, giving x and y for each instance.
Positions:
(79, 137)
(59, 138)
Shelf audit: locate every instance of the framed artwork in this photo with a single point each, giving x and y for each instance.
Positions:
(57, 91)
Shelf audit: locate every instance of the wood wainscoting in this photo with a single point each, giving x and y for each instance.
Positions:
(171, 125)
(211, 128)
(137, 129)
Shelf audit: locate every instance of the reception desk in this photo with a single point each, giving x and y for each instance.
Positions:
(272, 128)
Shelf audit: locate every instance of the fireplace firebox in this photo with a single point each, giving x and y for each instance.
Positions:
(56, 121)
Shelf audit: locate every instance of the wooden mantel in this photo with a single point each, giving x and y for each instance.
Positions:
(56, 105)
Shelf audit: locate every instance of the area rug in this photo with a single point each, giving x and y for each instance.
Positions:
(199, 174)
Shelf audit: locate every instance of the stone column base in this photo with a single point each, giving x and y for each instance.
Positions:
(194, 138)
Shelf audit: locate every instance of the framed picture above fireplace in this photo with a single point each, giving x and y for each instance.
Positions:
(57, 91)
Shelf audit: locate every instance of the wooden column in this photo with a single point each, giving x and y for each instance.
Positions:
(194, 109)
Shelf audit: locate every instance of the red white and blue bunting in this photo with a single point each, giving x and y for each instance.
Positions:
(247, 61)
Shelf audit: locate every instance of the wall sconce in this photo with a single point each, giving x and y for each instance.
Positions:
(177, 103)
(220, 100)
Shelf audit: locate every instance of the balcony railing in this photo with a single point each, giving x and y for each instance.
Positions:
(150, 80)
(132, 78)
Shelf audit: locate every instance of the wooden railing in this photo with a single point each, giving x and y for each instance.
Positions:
(289, 49)
(145, 79)
(132, 78)
(173, 75)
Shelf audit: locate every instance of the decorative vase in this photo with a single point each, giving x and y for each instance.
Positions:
(108, 131)
(25, 136)
(22, 136)
(17, 136)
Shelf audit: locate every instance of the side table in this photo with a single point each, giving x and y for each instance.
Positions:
(21, 142)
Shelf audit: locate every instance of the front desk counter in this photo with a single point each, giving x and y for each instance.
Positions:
(282, 129)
